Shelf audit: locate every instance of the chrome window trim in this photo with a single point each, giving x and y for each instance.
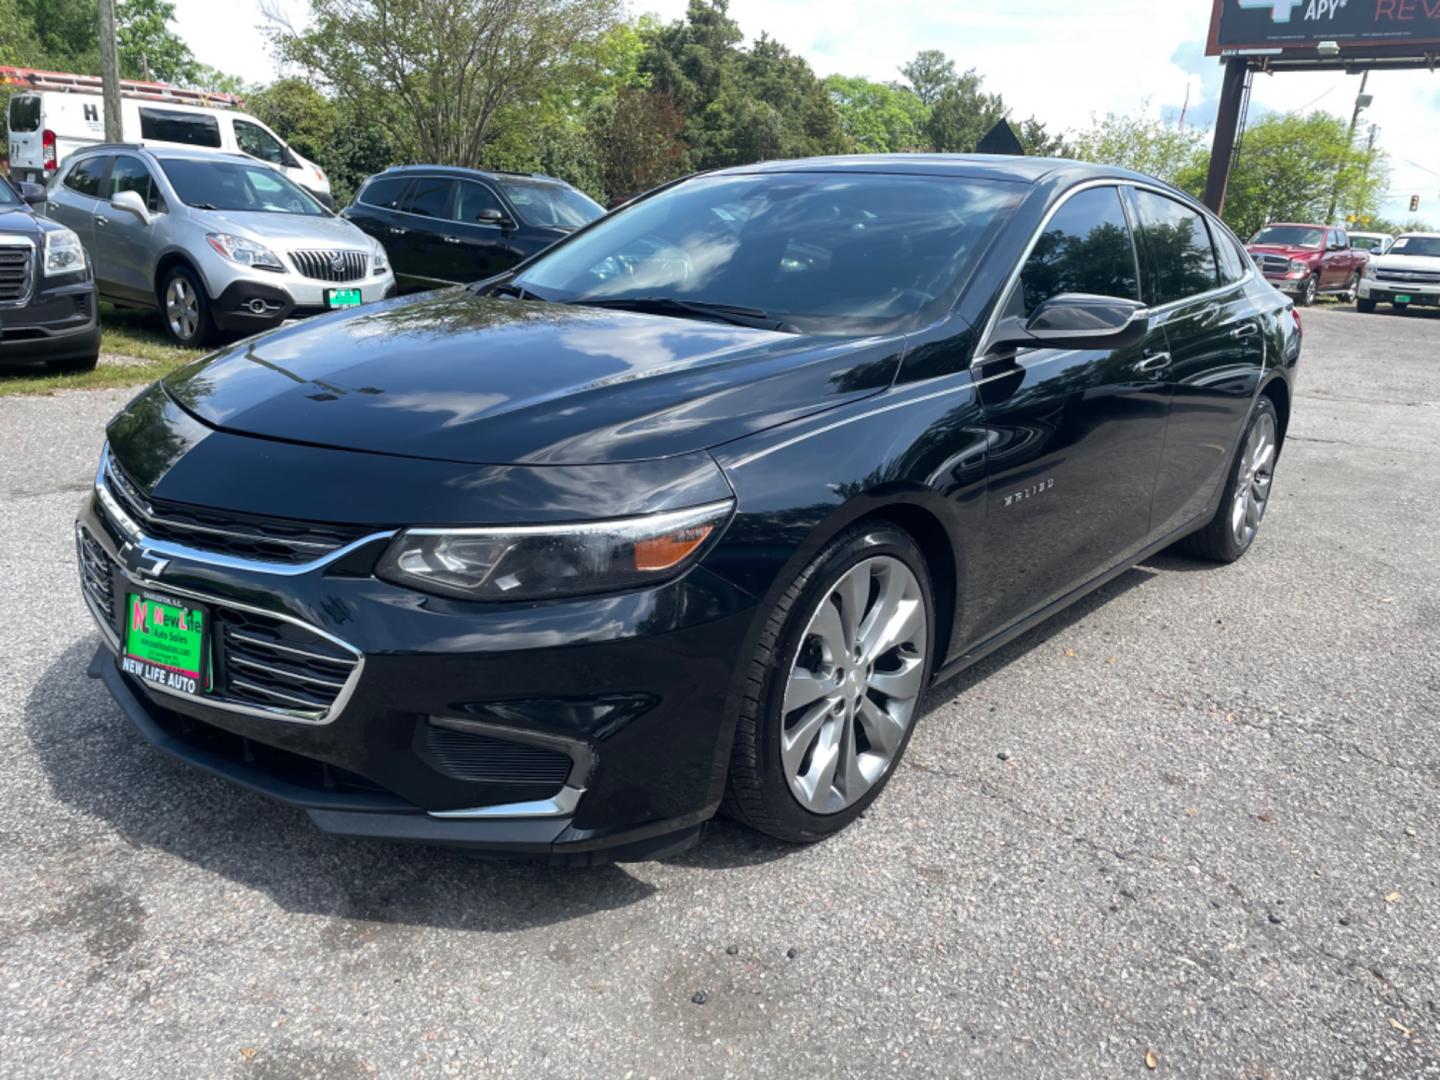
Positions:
(135, 535)
(1088, 185)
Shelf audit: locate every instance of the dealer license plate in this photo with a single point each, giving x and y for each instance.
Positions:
(1402, 298)
(342, 298)
(167, 644)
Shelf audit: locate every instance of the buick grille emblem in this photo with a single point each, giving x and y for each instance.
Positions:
(337, 262)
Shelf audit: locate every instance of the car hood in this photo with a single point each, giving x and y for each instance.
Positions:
(1408, 262)
(1289, 250)
(454, 377)
(15, 220)
(288, 230)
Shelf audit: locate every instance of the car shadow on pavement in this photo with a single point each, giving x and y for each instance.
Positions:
(96, 763)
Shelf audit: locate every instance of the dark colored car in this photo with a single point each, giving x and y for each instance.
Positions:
(445, 225)
(688, 510)
(1307, 261)
(49, 315)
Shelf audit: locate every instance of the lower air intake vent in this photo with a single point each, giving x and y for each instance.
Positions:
(468, 755)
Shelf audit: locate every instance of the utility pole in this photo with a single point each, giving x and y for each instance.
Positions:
(1360, 103)
(110, 70)
(1227, 124)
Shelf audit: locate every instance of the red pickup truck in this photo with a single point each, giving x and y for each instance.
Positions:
(1307, 261)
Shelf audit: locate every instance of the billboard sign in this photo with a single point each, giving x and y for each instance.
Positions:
(1359, 27)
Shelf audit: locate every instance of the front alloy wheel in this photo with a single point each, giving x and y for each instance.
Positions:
(832, 692)
(186, 308)
(1311, 290)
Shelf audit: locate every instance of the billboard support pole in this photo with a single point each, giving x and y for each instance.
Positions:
(1227, 123)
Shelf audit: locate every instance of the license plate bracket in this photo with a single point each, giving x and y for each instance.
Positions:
(342, 298)
(167, 643)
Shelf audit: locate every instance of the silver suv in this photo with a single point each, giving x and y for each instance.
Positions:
(219, 244)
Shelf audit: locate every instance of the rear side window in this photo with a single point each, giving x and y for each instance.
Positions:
(84, 176)
(190, 129)
(25, 112)
(473, 199)
(1234, 263)
(430, 198)
(1086, 248)
(1176, 247)
(130, 174)
(385, 192)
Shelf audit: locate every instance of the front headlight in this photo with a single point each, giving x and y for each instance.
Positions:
(379, 261)
(1369, 269)
(245, 252)
(540, 562)
(1296, 266)
(63, 253)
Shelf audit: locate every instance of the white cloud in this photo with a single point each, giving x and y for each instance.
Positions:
(1056, 59)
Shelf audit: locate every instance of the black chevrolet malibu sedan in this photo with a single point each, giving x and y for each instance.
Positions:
(685, 513)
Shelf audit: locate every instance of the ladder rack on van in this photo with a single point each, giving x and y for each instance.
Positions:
(33, 79)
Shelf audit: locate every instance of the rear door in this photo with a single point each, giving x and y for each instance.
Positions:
(27, 157)
(122, 242)
(75, 201)
(376, 212)
(1074, 435)
(1197, 290)
(421, 253)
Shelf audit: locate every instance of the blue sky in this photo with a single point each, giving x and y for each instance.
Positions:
(1061, 60)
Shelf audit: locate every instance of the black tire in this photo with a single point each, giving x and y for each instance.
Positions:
(1400, 309)
(1216, 542)
(203, 332)
(1365, 307)
(1310, 292)
(757, 791)
(1352, 288)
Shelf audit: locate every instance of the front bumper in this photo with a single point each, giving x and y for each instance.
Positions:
(633, 687)
(1291, 286)
(1384, 292)
(57, 323)
(250, 305)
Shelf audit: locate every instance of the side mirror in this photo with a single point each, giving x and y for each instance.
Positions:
(1076, 321)
(33, 194)
(131, 203)
(491, 216)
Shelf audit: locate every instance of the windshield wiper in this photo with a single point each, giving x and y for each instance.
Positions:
(670, 305)
(504, 288)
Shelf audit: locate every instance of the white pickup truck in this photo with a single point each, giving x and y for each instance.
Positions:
(1409, 273)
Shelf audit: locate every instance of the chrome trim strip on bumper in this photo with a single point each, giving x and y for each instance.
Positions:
(560, 805)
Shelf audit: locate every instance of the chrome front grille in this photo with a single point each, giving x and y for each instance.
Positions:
(1409, 277)
(261, 664)
(278, 540)
(1273, 264)
(331, 265)
(96, 578)
(17, 265)
(276, 665)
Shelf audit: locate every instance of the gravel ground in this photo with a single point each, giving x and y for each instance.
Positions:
(1195, 820)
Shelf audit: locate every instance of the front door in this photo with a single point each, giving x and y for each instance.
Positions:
(479, 248)
(1074, 435)
(122, 241)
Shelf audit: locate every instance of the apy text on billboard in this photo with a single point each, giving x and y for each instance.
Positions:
(1357, 26)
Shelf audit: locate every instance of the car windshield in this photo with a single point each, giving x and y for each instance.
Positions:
(545, 203)
(1424, 246)
(1290, 236)
(234, 185)
(826, 253)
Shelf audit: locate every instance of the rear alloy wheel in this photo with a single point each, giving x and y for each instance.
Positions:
(1247, 493)
(1352, 290)
(836, 683)
(1311, 290)
(185, 308)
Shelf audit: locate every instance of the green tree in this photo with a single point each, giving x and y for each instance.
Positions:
(878, 118)
(930, 75)
(640, 141)
(1140, 142)
(339, 138)
(1289, 165)
(962, 115)
(438, 73)
(148, 48)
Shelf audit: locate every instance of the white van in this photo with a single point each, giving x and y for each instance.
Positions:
(46, 126)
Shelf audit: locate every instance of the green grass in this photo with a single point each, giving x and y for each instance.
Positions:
(135, 335)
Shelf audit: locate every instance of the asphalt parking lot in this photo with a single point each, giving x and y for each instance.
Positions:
(1195, 820)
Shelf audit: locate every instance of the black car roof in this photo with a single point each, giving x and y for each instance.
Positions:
(1022, 170)
(462, 171)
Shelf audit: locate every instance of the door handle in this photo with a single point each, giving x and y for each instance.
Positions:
(1242, 332)
(1154, 363)
(398, 232)
(101, 220)
(452, 240)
